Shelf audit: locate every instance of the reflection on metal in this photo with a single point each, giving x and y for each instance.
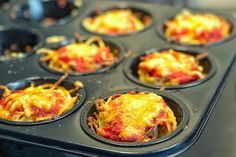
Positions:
(36, 9)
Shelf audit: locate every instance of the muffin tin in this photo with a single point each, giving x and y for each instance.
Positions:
(70, 133)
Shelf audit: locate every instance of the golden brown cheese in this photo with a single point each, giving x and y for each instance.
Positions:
(132, 116)
(35, 103)
(169, 67)
(197, 28)
(117, 21)
(80, 57)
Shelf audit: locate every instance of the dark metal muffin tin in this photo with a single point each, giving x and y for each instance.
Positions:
(67, 134)
(50, 9)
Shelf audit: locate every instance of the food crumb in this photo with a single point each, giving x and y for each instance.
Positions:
(55, 39)
(99, 81)
(79, 84)
(194, 109)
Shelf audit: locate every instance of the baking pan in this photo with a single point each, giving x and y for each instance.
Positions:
(70, 133)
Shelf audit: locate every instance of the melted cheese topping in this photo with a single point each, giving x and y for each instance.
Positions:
(169, 67)
(189, 28)
(35, 103)
(129, 117)
(118, 21)
(80, 57)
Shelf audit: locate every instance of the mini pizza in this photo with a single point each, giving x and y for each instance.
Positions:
(197, 28)
(169, 68)
(36, 103)
(132, 117)
(80, 57)
(116, 22)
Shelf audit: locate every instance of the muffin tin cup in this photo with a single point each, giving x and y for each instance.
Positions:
(50, 9)
(22, 84)
(176, 105)
(131, 68)
(115, 46)
(160, 29)
(21, 38)
(137, 10)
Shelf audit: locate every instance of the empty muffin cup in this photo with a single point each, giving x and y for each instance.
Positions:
(45, 13)
(18, 43)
